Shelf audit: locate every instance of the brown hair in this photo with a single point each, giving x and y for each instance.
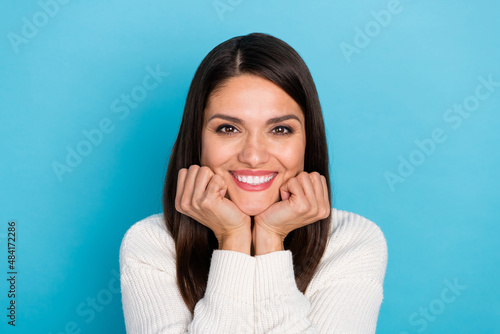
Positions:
(273, 59)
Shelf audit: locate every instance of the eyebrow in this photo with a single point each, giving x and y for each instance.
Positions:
(273, 120)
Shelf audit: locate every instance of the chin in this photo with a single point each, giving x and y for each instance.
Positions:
(253, 203)
(253, 210)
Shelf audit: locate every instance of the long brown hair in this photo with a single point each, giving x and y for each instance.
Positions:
(273, 59)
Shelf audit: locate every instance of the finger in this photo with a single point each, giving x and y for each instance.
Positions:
(319, 192)
(326, 194)
(324, 205)
(200, 186)
(214, 188)
(284, 194)
(297, 195)
(187, 196)
(181, 178)
(306, 182)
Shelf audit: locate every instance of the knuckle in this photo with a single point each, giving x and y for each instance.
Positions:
(178, 207)
(327, 211)
(185, 204)
(303, 175)
(218, 179)
(181, 172)
(195, 207)
(320, 212)
(323, 213)
(194, 168)
(205, 203)
(303, 208)
(316, 180)
(315, 209)
(205, 169)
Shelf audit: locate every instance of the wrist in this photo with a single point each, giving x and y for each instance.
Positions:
(265, 242)
(237, 242)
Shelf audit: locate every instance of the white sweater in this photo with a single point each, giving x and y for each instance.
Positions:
(256, 294)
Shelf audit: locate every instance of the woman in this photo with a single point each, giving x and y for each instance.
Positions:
(247, 242)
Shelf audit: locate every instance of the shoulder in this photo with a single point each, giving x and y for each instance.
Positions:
(148, 242)
(356, 249)
(350, 231)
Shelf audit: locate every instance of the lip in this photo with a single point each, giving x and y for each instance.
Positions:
(249, 187)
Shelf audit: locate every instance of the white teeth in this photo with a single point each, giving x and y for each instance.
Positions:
(255, 180)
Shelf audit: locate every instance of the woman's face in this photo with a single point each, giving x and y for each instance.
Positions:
(254, 137)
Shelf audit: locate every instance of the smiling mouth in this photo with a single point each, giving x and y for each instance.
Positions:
(254, 180)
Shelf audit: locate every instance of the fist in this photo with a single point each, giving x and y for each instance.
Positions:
(305, 200)
(201, 196)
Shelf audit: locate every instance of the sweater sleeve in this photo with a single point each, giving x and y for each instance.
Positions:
(152, 302)
(344, 296)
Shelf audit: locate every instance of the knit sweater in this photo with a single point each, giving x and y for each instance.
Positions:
(256, 294)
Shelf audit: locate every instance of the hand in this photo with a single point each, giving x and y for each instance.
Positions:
(305, 200)
(201, 196)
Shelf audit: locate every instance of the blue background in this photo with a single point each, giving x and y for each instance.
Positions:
(61, 78)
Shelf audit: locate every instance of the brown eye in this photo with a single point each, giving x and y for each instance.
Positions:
(229, 129)
(282, 130)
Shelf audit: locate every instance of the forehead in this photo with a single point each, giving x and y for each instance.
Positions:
(251, 97)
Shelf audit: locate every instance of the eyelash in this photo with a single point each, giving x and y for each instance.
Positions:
(288, 129)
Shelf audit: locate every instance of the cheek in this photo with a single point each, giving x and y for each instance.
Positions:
(292, 157)
(207, 150)
(207, 159)
(213, 155)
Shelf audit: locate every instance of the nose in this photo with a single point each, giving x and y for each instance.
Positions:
(254, 151)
